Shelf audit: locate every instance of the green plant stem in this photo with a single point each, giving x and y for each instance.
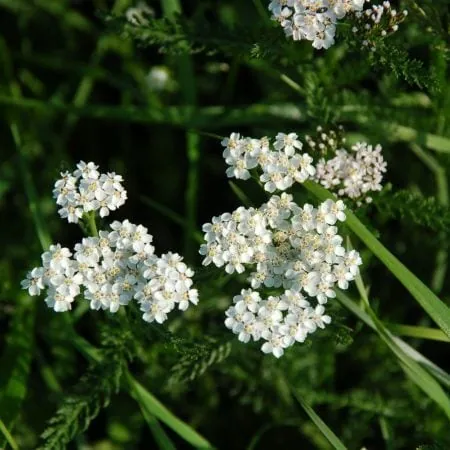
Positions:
(186, 78)
(91, 223)
(323, 427)
(413, 370)
(30, 191)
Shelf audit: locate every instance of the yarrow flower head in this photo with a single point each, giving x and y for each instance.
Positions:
(112, 270)
(316, 20)
(295, 250)
(280, 164)
(353, 174)
(312, 20)
(116, 266)
(85, 190)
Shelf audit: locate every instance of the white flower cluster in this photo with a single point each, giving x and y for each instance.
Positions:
(281, 165)
(378, 20)
(113, 269)
(312, 20)
(353, 174)
(87, 190)
(297, 250)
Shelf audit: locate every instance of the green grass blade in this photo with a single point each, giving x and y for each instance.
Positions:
(163, 441)
(414, 371)
(240, 194)
(30, 191)
(435, 370)
(321, 425)
(155, 408)
(435, 308)
(417, 332)
(9, 439)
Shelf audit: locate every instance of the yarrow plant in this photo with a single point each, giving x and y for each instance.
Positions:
(284, 162)
(293, 250)
(316, 20)
(113, 268)
(296, 250)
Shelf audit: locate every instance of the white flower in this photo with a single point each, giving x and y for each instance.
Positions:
(87, 190)
(34, 282)
(288, 143)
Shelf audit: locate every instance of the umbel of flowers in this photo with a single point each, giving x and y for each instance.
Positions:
(293, 252)
(292, 249)
(316, 20)
(113, 268)
(352, 173)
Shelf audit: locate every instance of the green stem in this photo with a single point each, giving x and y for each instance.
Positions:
(91, 223)
(186, 78)
(30, 191)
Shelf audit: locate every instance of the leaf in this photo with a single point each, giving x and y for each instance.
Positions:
(155, 408)
(323, 427)
(414, 371)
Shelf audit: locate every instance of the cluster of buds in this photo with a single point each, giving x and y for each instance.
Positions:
(353, 174)
(326, 142)
(377, 22)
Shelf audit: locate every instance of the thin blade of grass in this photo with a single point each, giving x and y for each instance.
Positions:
(9, 439)
(321, 425)
(435, 308)
(162, 440)
(240, 194)
(435, 370)
(171, 215)
(417, 332)
(154, 407)
(412, 369)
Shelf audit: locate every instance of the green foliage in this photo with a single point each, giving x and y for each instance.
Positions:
(412, 207)
(92, 392)
(74, 85)
(191, 366)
